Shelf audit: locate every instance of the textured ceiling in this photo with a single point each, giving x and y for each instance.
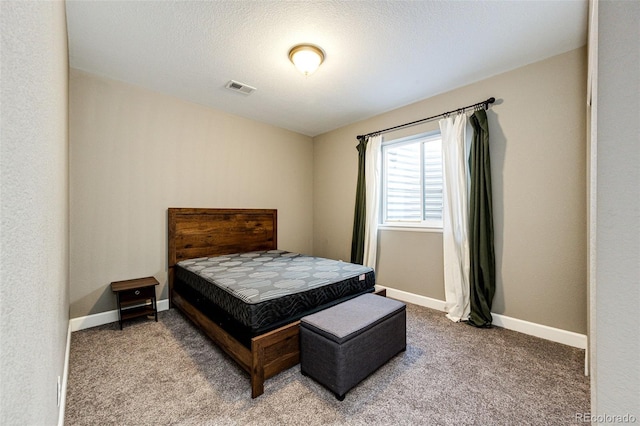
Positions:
(380, 55)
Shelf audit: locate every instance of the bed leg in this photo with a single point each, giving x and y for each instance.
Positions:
(257, 370)
(170, 278)
(257, 387)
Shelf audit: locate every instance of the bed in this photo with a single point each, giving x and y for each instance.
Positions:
(223, 276)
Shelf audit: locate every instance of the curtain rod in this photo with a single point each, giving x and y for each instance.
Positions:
(485, 103)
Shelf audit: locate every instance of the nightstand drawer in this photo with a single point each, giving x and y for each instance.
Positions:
(137, 294)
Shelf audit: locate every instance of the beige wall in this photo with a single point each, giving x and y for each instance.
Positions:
(34, 225)
(538, 154)
(134, 153)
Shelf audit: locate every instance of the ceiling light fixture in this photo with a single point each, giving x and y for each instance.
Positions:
(306, 57)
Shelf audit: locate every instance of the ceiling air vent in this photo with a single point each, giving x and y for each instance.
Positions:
(240, 87)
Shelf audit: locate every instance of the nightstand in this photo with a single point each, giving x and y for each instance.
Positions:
(136, 298)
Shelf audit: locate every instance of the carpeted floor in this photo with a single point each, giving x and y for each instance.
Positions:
(451, 374)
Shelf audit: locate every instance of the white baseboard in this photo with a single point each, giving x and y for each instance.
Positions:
(65, 376)
(569, 338)
(163, 305)
(416, 299)
(102, 318)
(565, 337)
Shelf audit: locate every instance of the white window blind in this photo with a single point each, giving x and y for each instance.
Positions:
(412, 181)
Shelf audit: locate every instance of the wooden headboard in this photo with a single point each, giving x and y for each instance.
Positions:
(210, 232)
(197, 233)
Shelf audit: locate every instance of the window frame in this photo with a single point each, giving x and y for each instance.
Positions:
(425, 225)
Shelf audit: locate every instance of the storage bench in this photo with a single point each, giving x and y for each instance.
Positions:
(342, 345)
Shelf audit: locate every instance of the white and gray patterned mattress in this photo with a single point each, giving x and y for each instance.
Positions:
(263, 287)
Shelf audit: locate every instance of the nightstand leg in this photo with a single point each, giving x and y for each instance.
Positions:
(119, 312)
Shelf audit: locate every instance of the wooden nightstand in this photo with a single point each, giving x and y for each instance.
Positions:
(136, 298)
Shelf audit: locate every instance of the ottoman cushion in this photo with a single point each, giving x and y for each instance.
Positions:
(346, 320)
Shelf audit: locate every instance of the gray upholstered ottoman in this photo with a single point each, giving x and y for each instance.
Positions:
(342, 345)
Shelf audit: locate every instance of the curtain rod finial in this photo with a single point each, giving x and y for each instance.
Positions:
(487, 102)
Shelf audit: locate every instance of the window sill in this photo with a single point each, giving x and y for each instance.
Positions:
(409, 229)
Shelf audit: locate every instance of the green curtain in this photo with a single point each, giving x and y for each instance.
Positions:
(482, 272)
(359, 216)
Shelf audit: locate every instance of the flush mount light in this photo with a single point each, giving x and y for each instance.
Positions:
(306, 57)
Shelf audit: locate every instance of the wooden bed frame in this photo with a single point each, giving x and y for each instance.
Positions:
(197, 233)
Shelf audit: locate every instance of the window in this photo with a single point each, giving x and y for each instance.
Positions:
(412, 181)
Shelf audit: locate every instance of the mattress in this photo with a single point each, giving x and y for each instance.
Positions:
(258, 291)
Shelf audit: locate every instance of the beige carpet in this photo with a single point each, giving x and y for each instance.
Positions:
(451, 374)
